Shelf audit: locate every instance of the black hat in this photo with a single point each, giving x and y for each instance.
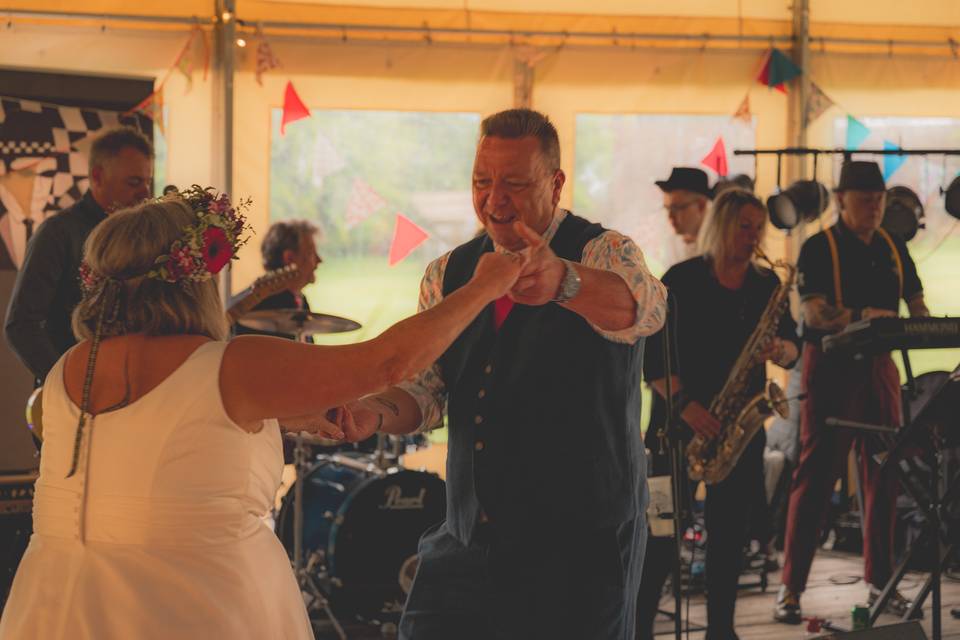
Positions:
(687, 179)
(860, 175)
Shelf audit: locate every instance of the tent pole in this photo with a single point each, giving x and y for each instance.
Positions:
(222, 129)
(797, 124)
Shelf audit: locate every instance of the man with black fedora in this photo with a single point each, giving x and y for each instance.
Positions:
(853, 270)
(686, 196)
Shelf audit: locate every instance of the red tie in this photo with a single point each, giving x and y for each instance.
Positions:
(501, 309)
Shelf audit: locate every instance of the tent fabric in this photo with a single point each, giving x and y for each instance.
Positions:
(478, 77)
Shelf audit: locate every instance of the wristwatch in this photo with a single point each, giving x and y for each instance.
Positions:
(569, 285)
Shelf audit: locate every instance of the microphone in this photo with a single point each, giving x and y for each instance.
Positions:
(170, 188)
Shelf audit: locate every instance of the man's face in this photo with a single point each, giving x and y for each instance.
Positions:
(862, 211)
(685, 210)
(306, 258)
(748, 233)
(512, 182)
(123, 180)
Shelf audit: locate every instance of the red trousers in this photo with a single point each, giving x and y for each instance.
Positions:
(866, 390)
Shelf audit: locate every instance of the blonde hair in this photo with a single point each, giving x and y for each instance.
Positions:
(122, 249)
(720, 223)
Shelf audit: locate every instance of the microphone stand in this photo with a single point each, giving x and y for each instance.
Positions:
(671, 433)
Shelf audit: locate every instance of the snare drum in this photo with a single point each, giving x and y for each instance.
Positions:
(361, 530)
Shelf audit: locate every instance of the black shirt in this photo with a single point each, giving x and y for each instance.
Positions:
(710, 326)
(48, 287)
(869, 276)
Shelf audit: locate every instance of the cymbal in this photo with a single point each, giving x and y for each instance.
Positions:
(296, 320)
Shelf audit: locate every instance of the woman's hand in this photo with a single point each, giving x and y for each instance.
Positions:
(700, 420)
(498, 272)
(359, 420)
(325, 425)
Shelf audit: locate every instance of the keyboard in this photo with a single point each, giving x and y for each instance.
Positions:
(891, 334)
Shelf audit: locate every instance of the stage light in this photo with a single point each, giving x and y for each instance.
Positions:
(241, 43)
(903, 213)
(804, 200)
(951, 198)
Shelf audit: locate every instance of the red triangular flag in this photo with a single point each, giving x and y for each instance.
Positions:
(293, 108)
(406, 237)
(717, 158)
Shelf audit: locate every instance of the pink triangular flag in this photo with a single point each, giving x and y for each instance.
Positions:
(406, 237)
(717, 158)
(293, 108)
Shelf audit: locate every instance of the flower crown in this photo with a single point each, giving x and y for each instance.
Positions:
(207, 245)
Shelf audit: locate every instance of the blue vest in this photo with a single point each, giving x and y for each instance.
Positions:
(544, 413)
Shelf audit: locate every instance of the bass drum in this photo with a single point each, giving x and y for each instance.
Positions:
(361, 530)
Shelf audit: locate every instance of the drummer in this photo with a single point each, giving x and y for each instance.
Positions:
(285, 243)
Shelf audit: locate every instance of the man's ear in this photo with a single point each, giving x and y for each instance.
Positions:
(288, 255)
(96, 174)
(559, 179)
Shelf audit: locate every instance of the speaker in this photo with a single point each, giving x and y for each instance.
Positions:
(16, 526)
(900, 631)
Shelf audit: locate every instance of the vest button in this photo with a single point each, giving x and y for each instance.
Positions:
(488, 368)
(478, 445)
(477, 419)
(482, 393)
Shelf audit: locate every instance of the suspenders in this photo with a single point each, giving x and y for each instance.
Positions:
(835, 257)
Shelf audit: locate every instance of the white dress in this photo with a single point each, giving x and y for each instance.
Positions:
(158, 533)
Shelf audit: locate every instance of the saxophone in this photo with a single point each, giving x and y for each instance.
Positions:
(739, 414)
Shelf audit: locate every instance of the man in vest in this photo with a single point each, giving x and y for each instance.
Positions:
(854, 270)
(546, 490)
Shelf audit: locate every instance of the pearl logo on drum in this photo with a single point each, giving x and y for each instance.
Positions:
(396, 501)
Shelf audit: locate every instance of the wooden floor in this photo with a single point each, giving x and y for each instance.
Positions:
(824, 598)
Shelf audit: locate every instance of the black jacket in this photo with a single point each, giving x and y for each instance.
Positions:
(48, 287)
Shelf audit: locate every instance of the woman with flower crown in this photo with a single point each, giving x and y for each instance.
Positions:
(162, 446)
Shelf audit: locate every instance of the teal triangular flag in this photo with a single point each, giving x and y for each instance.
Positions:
(782, 69)
(857, 132)
(891, 163)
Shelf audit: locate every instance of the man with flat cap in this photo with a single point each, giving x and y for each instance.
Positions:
(686, 196)
(851, 271)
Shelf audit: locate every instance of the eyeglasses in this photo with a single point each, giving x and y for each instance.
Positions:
(678, 206)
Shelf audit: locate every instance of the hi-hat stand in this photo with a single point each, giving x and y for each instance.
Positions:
(304, 572)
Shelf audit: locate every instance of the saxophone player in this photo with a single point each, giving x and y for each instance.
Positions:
(720, 298)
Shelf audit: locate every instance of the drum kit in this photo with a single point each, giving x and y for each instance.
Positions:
(353, 519)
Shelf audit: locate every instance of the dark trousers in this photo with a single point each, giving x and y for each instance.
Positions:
(867, 390)
(728, 515)
(561, 586)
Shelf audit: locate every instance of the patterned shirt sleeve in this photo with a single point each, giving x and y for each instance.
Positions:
(426, 387)
(612, 251)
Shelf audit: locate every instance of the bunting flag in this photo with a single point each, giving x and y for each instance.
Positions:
(363, 203)
(717, 158)
(407, 236)
(293, 108)
(185, 60)
(778, 70)
(265, 58)
(326, 160)
(890, 162)
(817, 103)
(857, 133)
(743, 112)
(152, 107)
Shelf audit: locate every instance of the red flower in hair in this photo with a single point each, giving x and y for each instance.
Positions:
(216, 249)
